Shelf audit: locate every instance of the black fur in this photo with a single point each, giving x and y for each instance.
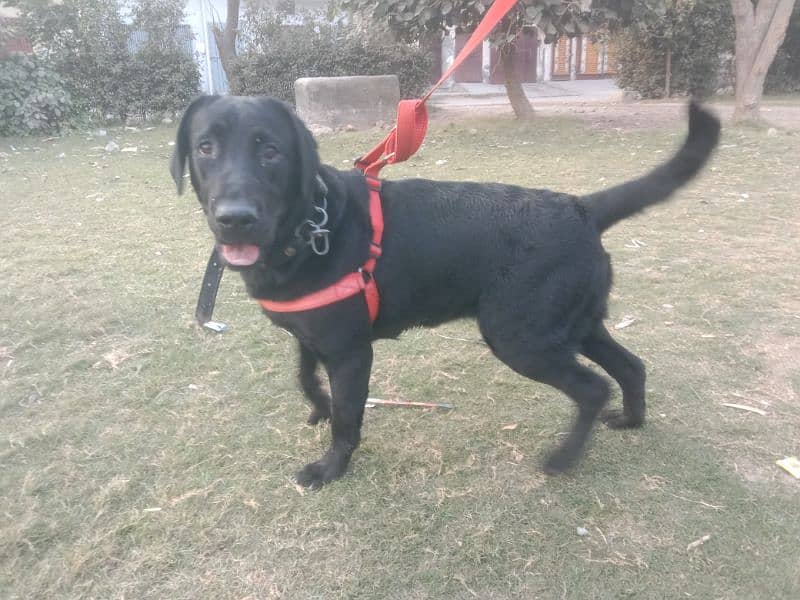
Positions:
(527, 264)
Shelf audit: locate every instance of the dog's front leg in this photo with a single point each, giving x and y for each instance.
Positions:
(349, 377)
(312, 388)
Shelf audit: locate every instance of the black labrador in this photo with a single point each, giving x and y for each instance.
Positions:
(527, 264)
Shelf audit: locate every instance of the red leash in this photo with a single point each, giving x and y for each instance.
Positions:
(412, 116)
(401, 143)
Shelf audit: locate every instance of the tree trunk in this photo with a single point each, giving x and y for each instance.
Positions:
(760, 30)
(668, 75)
(516, 95)
(226, 42)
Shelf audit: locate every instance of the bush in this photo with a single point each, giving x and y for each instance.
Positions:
(91, 48)
(276, 54)
(697, 32)
(33, 98)
(164, 80)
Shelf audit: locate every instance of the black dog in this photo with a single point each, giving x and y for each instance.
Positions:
(528, 264)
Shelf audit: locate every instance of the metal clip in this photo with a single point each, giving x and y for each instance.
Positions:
(317, 235)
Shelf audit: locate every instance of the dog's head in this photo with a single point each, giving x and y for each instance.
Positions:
(253, 165)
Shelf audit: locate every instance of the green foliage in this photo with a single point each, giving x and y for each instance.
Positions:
(33, 98)
(276, 54)
(87, 43)
(164, 80)
(695, 32)
(164, 76)
(414, 19)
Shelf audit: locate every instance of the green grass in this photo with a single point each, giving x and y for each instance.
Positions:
(141, 457)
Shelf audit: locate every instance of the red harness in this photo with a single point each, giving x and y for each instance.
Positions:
(401, 142)
(352, 283)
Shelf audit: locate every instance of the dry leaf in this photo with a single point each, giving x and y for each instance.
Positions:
(791, 465)
(116, 357)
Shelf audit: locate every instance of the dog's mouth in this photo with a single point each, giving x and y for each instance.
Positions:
(240, 255)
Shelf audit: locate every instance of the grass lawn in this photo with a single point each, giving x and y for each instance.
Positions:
(142, 457)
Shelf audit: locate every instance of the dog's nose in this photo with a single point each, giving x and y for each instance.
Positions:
(235, 215)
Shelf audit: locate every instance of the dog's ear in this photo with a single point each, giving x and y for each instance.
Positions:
(307, 150)
(182, 149)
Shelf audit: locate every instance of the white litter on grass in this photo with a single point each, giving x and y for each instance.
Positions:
(130, 149)
(582, 531)
(636, 244)
(441, 161)
(698, 543)
(626, 322)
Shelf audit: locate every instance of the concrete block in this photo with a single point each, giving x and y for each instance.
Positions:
(361, 101)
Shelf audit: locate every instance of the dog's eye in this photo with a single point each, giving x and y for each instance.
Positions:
(267, 154)
(205, 149)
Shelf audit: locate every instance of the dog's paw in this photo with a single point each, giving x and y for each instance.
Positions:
(558, 462)
(317, 416)
(317, 474)
(617, 419)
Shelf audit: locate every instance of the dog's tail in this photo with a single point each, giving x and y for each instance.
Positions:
(617, 203)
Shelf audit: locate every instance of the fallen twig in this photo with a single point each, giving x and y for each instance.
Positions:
(372, 402)
(751, 409)
(700, 502)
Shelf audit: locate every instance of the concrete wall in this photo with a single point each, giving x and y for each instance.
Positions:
(337, 101)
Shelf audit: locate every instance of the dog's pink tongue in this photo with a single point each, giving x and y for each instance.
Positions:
(240, 255)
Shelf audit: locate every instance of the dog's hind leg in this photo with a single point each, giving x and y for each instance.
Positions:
(559, 368)
(312, 387)
(589, 391)
(627, 369)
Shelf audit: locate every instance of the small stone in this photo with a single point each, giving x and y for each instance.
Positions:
(349, 127)
(473, 131)
(772, 132)
(112, 146)
(320, 129)
(62, 155)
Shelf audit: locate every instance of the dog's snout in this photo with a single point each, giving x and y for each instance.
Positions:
(235, 214)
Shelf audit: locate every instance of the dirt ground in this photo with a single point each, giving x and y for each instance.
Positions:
(782, 114)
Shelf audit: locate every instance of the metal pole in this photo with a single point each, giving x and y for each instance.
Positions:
(204, 30)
